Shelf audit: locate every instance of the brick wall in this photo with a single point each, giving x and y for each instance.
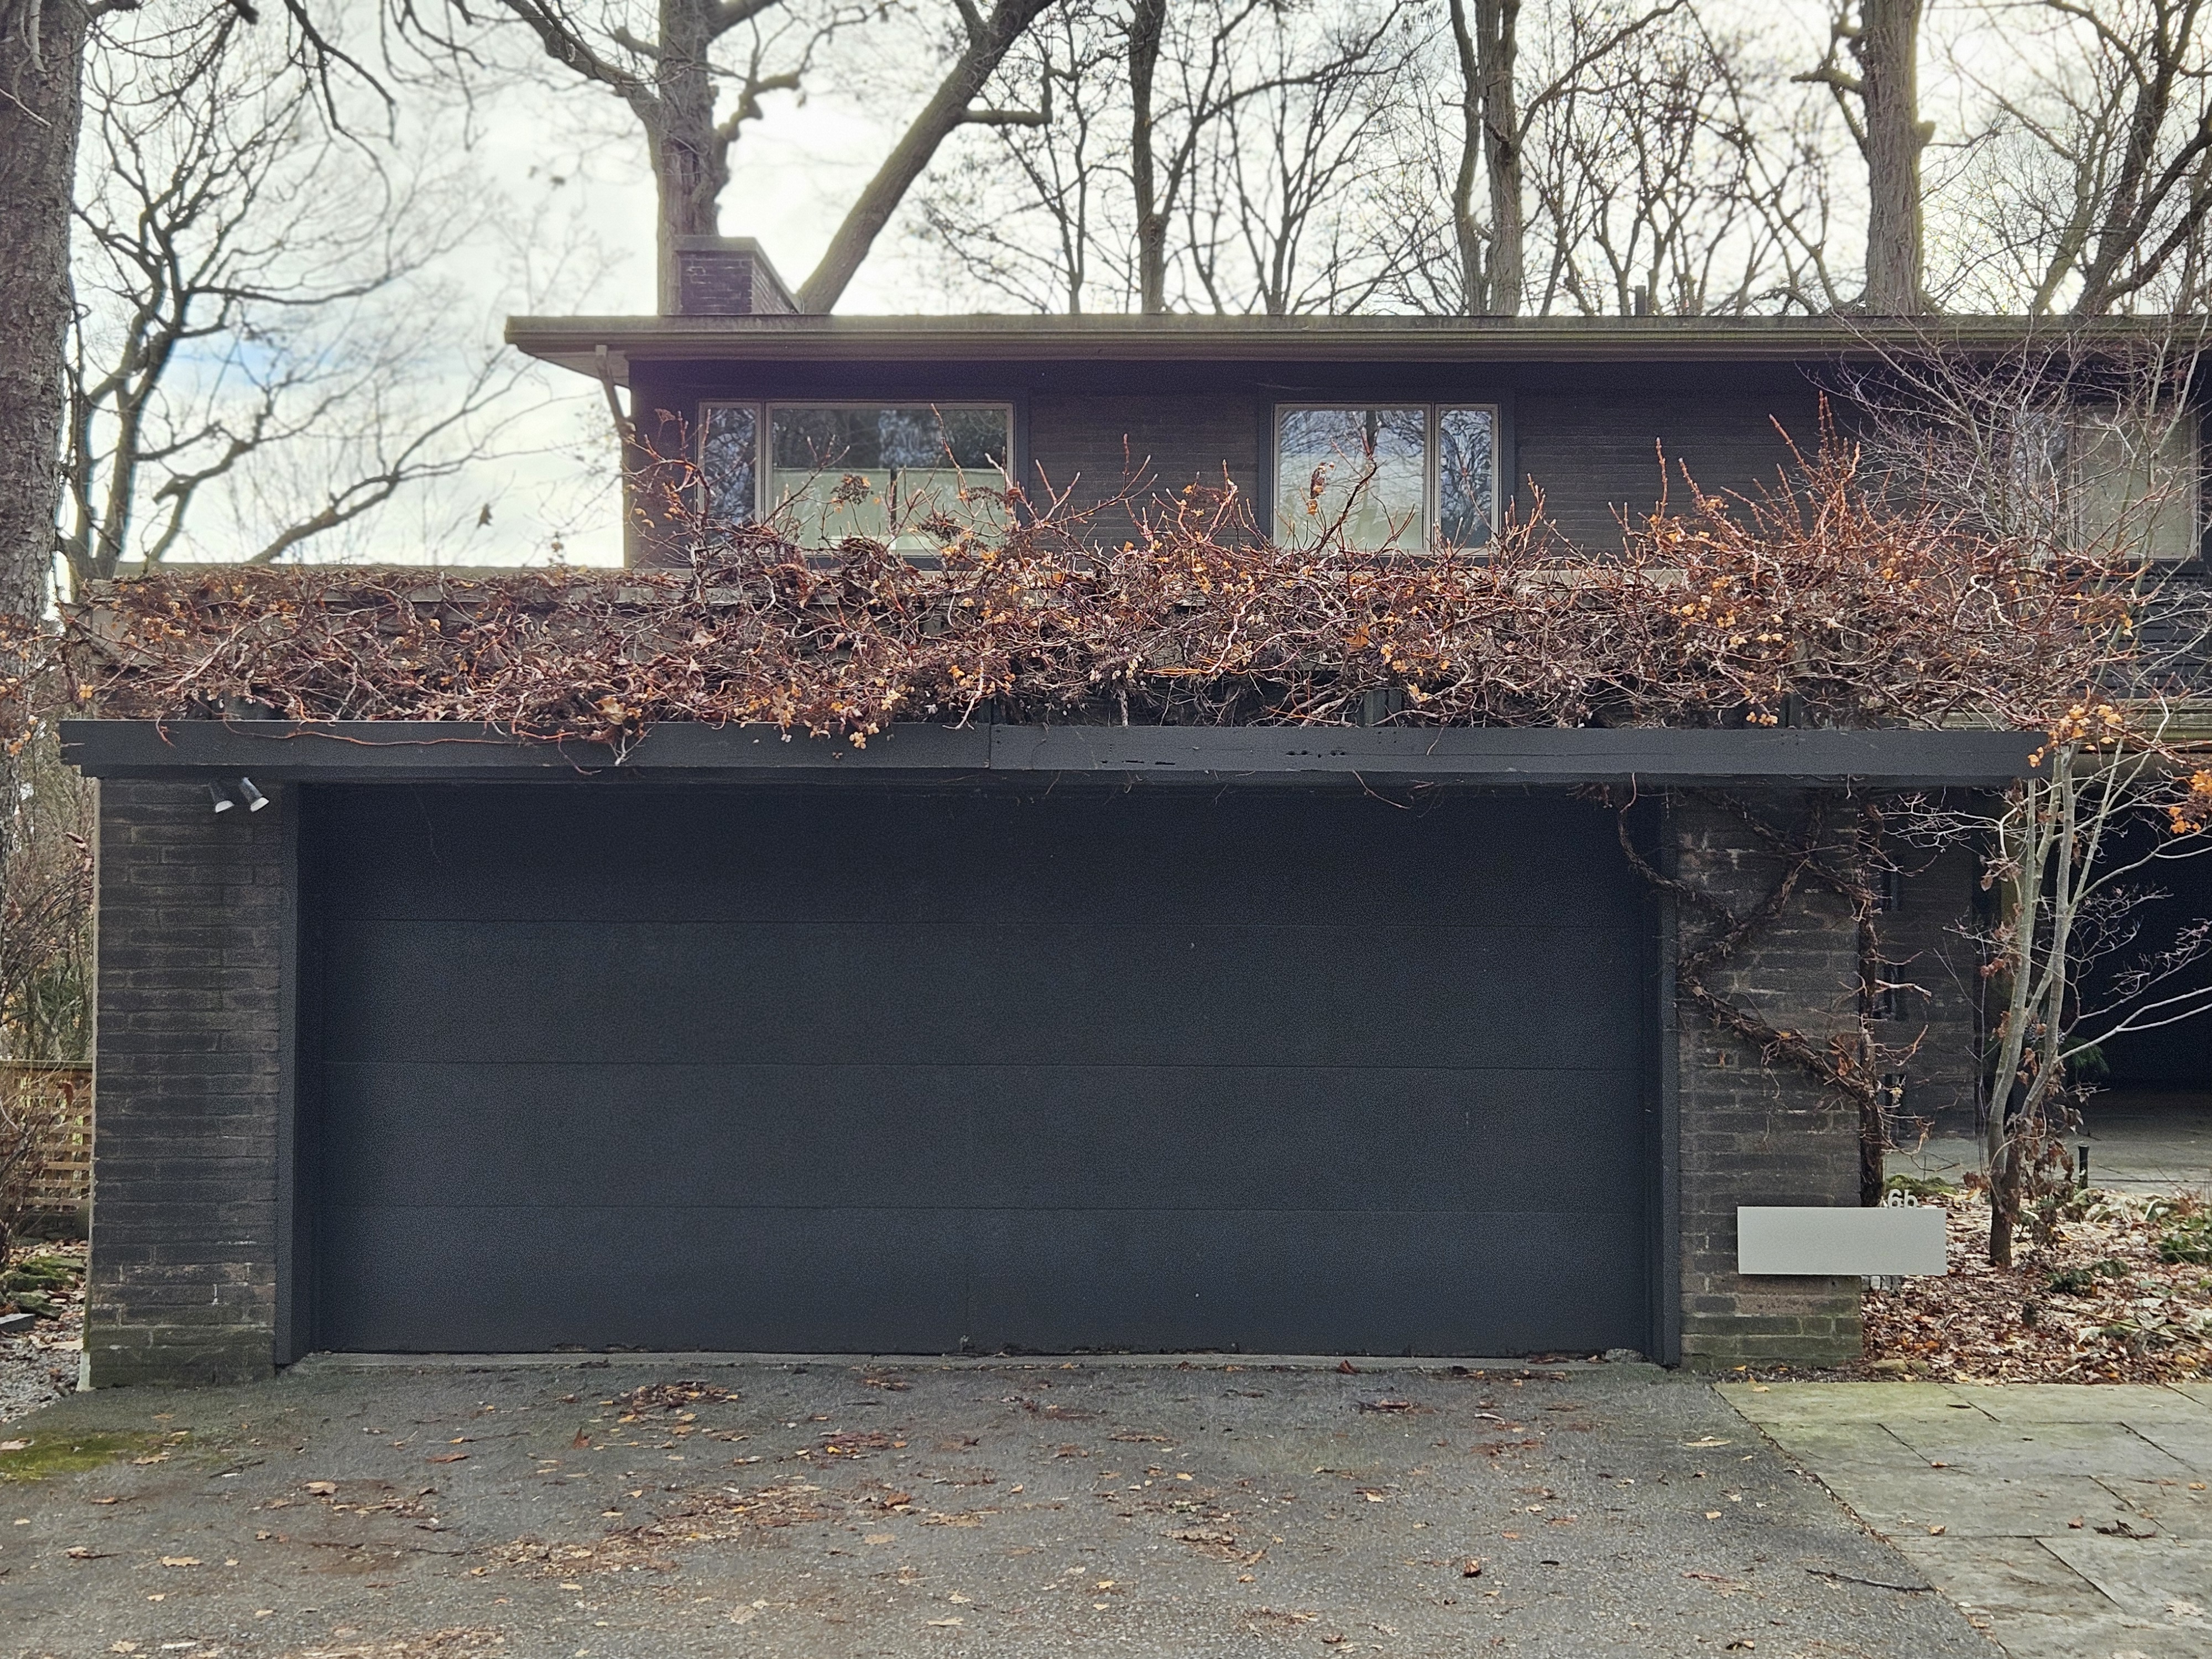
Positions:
(193, 909)
(1751, 1134)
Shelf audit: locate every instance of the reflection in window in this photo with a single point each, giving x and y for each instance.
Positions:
(1366, 467)
(895, 475)
(1393, 476)
(728, 444)
(1466, 471)
(2135, 482)
(908, 476)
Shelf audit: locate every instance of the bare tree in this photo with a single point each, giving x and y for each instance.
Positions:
(252, 283)
(1881, 102)
(1237, 181)
(981, 47)
(1487, 43)
(1036, 214)
(2095, 195)
(1660, 185)
(1641, 159)
(1147, 26)
(2069, 449)
(1273, 222)
(694, 72)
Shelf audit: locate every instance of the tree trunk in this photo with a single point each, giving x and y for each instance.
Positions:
(1496, 45)
(1888, 50)
(1147, 22)
(39, 105)
(690, 164)
(40, 87)
(947, 110)
(1466, 238)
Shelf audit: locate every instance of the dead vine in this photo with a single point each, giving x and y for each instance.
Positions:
(1819, 602)
(1853, 1062)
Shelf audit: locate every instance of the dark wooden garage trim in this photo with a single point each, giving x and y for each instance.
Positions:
(394, 750)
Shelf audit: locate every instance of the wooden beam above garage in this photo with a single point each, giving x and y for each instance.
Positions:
(1310, 756)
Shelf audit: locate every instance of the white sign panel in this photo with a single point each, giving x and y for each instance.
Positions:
(1776, 1238)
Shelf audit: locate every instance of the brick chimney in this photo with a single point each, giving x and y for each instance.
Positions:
(727, 277)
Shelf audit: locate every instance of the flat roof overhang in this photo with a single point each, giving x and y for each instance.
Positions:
(1311, 756)
(577, 342)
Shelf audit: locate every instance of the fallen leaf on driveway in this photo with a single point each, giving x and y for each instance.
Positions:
(448, 1457)
(180, 1561)
(1710, 1440)
(947, 1624)
(80, 1554)
(1205, 1535)
(322, 1488)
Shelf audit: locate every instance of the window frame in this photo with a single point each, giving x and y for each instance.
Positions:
(764, 409)
(1432, 410)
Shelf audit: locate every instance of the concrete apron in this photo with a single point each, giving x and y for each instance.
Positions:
(2069, 1522)
(315, 1363)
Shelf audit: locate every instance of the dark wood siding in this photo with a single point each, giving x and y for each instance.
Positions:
(1593, 441)
(1090, 443)
(854, 1069)
(1589, 435)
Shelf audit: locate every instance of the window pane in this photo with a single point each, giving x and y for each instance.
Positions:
(2135, 482)
(728, 460)
(1374, 459)
(1467, 440)
(849, 471)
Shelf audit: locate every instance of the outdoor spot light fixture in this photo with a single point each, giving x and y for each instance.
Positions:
(254, 799)
(222, 803)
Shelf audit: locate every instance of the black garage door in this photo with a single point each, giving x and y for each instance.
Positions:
(857, 1070)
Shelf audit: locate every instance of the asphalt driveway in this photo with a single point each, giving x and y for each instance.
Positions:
(624, 1508)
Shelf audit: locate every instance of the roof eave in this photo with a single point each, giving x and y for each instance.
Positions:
(575, 342)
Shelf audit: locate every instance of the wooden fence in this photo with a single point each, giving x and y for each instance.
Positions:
(63, 1183)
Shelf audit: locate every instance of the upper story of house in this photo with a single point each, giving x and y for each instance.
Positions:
(1412, 431)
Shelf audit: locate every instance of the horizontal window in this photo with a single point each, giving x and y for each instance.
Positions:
(1406, 475)
(910, 475)
(2135, 478)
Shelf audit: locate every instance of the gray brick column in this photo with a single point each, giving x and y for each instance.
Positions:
(1754, 1134)
(189, 1085)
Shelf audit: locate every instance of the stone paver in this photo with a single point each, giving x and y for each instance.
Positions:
(2069, 1522)
(2139, 1141)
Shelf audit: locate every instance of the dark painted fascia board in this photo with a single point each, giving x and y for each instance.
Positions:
(574, 342)
(1491, 756)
